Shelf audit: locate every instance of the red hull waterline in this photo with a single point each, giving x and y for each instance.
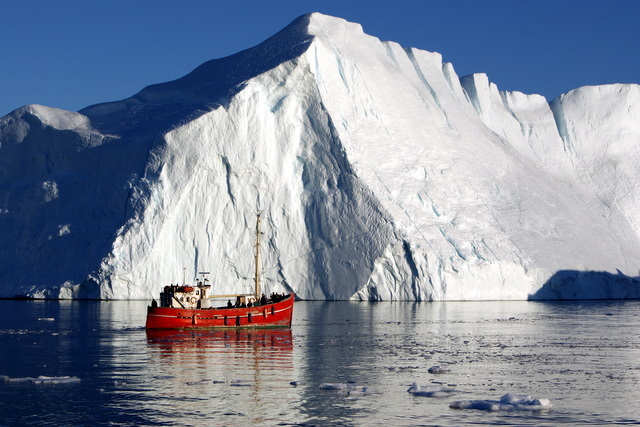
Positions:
(273, 315)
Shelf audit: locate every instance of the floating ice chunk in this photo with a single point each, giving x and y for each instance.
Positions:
(42, 380)
(508, 402)
(56, 380)
(525, 402)
(46, 319)
(483, 405)
(430, 391)
(437, 370)
(414, 388)
(50, 190)
(19, 380)
(297, 383)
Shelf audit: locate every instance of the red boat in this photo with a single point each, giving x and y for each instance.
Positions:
(189, 306)
(272, 314)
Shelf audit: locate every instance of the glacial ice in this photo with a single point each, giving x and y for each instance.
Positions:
(430, 390)
(381, 175)
(41, 380)
(509, 402)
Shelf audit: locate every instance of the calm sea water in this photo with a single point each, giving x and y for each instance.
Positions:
(583, 356)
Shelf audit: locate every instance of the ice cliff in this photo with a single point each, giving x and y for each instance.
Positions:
(381, 175)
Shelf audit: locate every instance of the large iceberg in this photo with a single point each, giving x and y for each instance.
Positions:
(381, 175)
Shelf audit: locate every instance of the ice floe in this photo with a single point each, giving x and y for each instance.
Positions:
(430, 390)
(508, 402)
(41, 380)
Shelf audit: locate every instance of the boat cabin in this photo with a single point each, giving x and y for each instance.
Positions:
(186, 296)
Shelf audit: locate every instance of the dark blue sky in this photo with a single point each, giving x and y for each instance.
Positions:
(70, 54)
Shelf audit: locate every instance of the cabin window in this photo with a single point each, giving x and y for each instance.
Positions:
(197, 292)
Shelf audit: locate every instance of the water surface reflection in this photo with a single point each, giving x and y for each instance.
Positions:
(583, 356)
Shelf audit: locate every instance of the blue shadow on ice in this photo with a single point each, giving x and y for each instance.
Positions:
(587, 285)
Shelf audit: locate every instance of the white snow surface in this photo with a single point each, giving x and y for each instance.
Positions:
(381, 175)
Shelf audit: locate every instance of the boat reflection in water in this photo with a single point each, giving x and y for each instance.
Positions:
(185, 340)
(233, 370)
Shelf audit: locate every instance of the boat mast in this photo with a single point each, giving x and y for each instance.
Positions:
(257, 272)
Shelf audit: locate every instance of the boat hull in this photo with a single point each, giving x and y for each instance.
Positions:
(265, 316)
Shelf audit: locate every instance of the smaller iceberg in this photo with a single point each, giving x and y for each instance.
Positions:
(430, 390)
(509, 402)
(437, 370)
